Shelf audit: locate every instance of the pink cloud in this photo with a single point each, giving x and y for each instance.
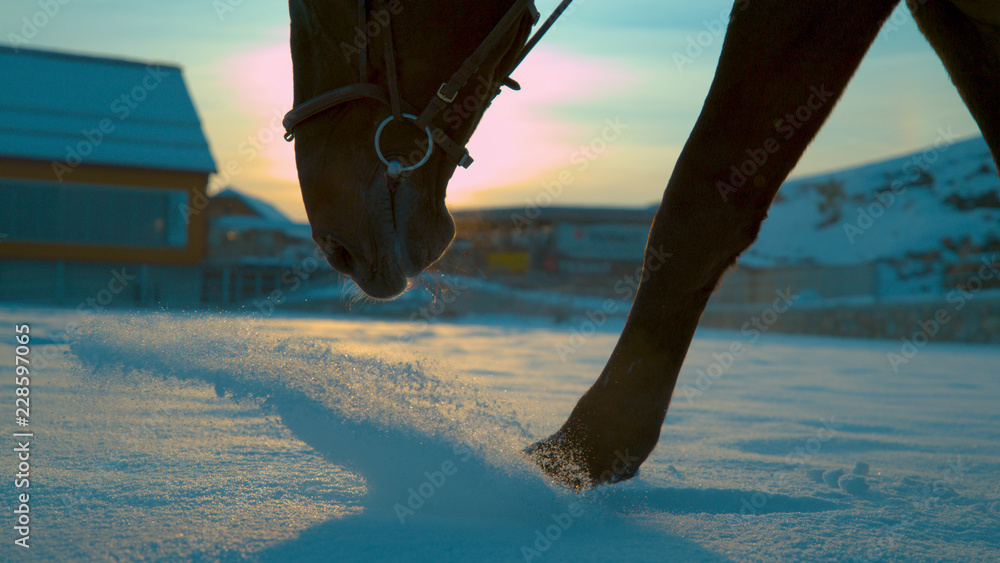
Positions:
(263, 78)
(261, 82)
(520, 138)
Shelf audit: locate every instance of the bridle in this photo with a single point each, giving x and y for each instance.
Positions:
(445, 96)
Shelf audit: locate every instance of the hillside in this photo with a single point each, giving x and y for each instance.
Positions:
(929, 219)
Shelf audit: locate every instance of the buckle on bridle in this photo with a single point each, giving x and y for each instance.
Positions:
(443, 96)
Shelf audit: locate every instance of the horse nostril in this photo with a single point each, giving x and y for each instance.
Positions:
(336, 254)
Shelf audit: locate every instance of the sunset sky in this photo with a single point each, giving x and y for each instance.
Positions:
(603, 61)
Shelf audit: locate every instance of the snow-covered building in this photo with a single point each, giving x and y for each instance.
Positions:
(576, 248)
(255, 250)
(103, 172)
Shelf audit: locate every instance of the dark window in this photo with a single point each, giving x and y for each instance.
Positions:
(93, 214)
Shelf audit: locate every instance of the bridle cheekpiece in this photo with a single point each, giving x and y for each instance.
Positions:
(445, 96)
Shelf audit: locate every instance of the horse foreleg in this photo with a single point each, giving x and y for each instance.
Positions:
(966, 35)
(783, 66)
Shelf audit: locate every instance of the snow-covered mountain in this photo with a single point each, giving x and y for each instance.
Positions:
(929, 218)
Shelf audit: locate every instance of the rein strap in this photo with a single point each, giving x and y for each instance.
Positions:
(446, 93)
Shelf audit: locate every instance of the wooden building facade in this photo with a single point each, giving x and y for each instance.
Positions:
(103, 175)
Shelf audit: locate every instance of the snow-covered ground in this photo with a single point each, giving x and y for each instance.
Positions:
(362, 440)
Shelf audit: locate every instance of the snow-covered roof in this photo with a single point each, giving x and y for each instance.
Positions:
(71, 108)
(248, 223)
(263, 209)
(266, 218)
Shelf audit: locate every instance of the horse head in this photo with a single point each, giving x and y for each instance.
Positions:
(387, 94)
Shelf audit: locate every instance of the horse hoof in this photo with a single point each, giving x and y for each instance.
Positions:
(565, 463)
(560, 462)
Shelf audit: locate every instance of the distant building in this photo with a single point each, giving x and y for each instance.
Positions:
(746, 284)
(254, 250)
(598, 251)
(103, 171)
(580, 249)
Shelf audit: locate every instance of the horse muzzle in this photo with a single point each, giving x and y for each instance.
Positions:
(382, 274)
(402, 232)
